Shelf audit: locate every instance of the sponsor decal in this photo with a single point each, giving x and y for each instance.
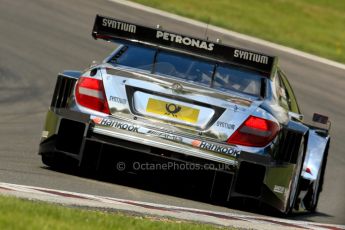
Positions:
(172, 109)
(116, 124)
(196, 143)
(245, 55)
(137, 129)
(225, 125)
(279, 189)
(142, 130)
(119, 25)
(216, 148)
(165, 135)
(97, 120)
(187, 41)
(118, 100)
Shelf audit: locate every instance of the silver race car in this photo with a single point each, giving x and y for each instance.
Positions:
(190, 104)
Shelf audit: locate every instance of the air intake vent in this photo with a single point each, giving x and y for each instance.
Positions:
(63, 88)
(289, 148)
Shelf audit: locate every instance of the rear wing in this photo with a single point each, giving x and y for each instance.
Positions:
(110, 28)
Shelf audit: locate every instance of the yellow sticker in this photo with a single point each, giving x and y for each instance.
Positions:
(180, 112)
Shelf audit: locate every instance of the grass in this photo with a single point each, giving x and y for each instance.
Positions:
(17, 213)
(314, 26)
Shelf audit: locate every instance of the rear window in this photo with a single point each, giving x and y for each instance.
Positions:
(185, 67)
(189, 68)
(236, 79)
(135, 56)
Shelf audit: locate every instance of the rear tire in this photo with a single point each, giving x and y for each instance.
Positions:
(57, 161)
(49, 161)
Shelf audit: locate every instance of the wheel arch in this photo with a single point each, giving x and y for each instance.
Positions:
(316, 153)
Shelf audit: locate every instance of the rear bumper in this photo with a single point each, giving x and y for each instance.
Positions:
(95, 144)
(73, 129)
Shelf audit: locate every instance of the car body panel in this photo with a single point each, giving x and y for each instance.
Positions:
(316, 151)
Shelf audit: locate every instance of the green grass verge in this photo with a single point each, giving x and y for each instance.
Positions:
(314, 26)
(24, 214)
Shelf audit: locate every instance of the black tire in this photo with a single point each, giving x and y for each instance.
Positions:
(58, 161)
(296, 179)
(50, 161)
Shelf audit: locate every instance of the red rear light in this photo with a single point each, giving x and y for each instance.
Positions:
(90, 94)
(255, 132)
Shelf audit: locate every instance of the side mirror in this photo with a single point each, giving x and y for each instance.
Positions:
(324, 120)
(296, 116)
(319, 118)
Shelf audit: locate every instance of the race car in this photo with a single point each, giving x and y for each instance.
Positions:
(173, 99)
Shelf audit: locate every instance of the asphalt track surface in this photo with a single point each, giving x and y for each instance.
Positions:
(38, 39)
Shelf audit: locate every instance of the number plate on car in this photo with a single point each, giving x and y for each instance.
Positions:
(172, 110)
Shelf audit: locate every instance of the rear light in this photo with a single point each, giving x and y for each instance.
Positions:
(255, 132)
(90, 94)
